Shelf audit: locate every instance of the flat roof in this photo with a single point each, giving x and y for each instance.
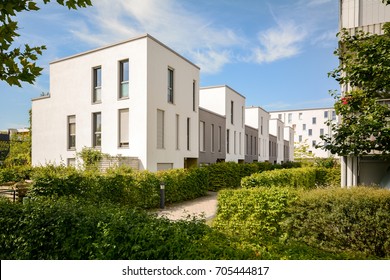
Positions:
(307, 109)
(226, 86)
(144, 36)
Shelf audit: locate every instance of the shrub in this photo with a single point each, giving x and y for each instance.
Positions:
(67, 228)
(295, 177)
(15, 174)
(338, 220)
(253, 213)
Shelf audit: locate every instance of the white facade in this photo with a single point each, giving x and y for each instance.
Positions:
(308, 125)
(225, 101)
(276, 128)
(367, 15)
(258, 118)
(289, 136)
(159, 115)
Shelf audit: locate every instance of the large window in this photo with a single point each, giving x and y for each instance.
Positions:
(97, 130)
(212, 138)
(97, 85)
(124, 79)
(170, 85)
(124, 128)
(188, 133)
(194, 96)
(232, 112)
(219, 138)
(71, 132)
(160, 129)
(228, 141)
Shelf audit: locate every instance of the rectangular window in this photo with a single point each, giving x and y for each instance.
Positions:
(97, 130)
(202, 136)
(300, 138)
(304, 126)
(314, 143)
(71, 132)
(97, 85)
(279, 116)
(239, 143)
(124, 128)
(235, 142)
(333, 115)
(188, 133)
(170, 85)
(124, 79)
(231, 112)
(314, 120)
(177, 132)
(321, 131)
(194, 96)
(261, 126)
(289, 117)
(246, 144)
(228, 141)
(255, 146)
(325, 114)
(160, 129)
(212, 138)
(251, 145)
(71, 162)
(300, 116)
(310, 132)
(219, 138)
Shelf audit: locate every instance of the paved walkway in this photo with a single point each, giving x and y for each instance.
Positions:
(202, 207)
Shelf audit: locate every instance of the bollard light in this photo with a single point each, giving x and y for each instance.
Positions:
(162, 195)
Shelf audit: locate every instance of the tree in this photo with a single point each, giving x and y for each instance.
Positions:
(365, 120)
(19, 64)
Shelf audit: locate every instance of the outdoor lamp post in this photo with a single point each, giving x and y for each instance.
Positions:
(162, 195)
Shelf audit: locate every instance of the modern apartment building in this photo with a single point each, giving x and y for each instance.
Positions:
(308, 126)
(227, 102)
(368, 16)
(137, 99)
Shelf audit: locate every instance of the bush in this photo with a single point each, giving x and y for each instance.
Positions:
(295, 177)
(15, 174)
(253, 213)
(69, 229)
(338, 220)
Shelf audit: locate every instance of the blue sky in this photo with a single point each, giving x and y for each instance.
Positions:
(277, 53)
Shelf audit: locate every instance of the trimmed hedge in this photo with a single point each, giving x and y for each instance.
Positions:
(71, 229)
(228, 175)
(120, 185)
(305, 177)
(253, 213)
(337, 220)
(15, 174)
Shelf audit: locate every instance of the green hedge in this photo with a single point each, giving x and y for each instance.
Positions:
(15, 174)
(339, 220)
(305, 177)
(228, 175)
(120, 185)
(68, 228)
(253, 213)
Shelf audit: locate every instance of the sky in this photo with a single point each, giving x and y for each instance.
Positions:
(277, 53)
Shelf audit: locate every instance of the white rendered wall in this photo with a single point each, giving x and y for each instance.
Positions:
(276, 127)
(302, 121)
(218, 100)
(289, 136)
(185, 73)
(257, 117)
(71, 94)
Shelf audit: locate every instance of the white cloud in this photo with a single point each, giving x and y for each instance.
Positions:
(283, 41)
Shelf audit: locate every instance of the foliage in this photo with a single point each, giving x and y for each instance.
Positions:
(304, 177)
(119, 185)
(365, 126)
(253, 213)
(15, 174)
(301, 151)
(337, 220)
(20, 150)
(91, 158)
(17, 64)
(364, 68)
(70, 229)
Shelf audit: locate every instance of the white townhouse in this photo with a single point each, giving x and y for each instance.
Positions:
(276, 128)
(308, 126)
(227, 102)
(289, 140)
(137, 99)
(258, 118)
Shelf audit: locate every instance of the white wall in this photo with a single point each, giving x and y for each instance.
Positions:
(218, 99)
(257, 117)
(276, 127)
(298, 118)
(71, 94)
(289, 136)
